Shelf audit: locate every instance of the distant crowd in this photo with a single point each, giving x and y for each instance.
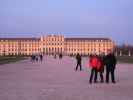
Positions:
(36, 57)
(39, 57)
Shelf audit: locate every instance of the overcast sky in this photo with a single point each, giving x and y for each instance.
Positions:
(91, 18)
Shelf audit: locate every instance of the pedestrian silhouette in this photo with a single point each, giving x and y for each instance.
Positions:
(36, 57)
(33, 58)
(110, 62)
(93, 63)
(100, 71)
(55, 56)
(60, 56)
(78, 58)
(41, 57)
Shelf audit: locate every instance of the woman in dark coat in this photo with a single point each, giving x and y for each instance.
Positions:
(101, 67)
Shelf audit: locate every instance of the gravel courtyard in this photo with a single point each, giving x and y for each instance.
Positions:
(55, 79)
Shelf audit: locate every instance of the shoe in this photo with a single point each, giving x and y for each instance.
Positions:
(114, 82)
(102, 81)
(107, 82)
(95, 81)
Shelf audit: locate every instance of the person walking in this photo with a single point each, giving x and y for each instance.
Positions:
(110, 62)
(78, 58)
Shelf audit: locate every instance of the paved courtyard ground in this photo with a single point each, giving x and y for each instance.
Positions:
(55, 79)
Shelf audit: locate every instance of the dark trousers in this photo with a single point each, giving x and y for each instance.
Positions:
(108, 72)
(93, 71)
(79, 64)
(41, 59)
(101, 76)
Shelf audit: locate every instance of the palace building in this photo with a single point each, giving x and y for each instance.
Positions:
(54, 44)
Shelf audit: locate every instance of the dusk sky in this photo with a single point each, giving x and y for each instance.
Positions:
(91, 18)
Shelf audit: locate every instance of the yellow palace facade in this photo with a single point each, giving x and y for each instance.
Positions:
(54, 44)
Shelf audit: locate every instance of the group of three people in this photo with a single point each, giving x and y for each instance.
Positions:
(97, 64)
(36, 57)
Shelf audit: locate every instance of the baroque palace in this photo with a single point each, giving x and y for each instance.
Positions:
(54, 44)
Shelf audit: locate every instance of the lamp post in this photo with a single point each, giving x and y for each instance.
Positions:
(116, 53)
(129, 53)
(120, 53)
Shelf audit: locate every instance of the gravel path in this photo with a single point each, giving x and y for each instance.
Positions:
(55, 79)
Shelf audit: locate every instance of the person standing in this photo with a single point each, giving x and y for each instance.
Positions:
(55, 56)
(78, 58)
(60, 56)
(110, 62)
(41, 57)
(93, 63)
(36, 57)
(33, 58)
(100, 71)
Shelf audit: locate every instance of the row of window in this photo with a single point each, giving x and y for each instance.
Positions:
(83, 43)
(17, 43)
(59, 43)
(53, 44)
(20, 49)
(54, 38)
(12, 41)
(52, 49)
(88, 40)
(91, 49)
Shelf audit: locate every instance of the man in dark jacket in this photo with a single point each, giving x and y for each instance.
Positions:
(78, 58)
(110, 62)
